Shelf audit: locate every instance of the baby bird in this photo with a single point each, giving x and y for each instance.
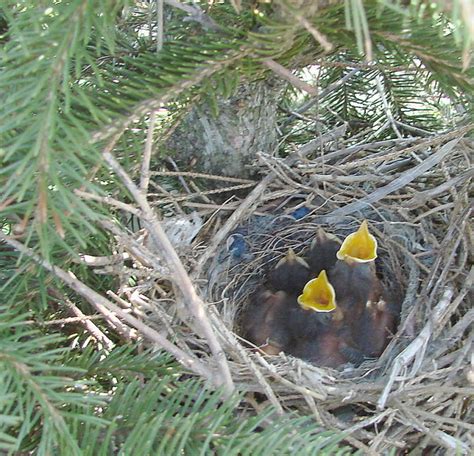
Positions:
(322, 253)
(264, 322)
(378, 323)
(329, 342)
(290, 274)
(271, 319)
(360, 294)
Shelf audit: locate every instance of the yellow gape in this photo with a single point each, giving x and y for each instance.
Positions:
(318, 295)
(359, 247)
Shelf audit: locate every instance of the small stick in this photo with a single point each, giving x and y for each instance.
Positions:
(423, 197)
(386, 107)
(194, 175)
(108, 308)
(416, 350)
(181, 278)
(222, 234)
(145, 169)
(89, 325)
(398, 183)
(160, 25)
(109, 201)
(63, 321)
(245, 356)
(180, 177)
(322, 95)
(287, 75)
(384, 156)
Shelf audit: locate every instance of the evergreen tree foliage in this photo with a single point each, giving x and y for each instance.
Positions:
(73, 75)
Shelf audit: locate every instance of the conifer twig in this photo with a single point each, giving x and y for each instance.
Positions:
(101, 303)
(85, 321)
(145, 169)
(287, 75)
(181, 278)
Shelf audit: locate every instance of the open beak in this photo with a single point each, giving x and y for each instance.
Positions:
(359, 247)
(318, 294)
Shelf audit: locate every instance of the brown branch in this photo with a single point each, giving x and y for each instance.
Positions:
(194, 175)
(180, 277)
(287, 75)
(109, 201)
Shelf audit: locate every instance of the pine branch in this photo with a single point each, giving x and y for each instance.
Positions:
(109, 309)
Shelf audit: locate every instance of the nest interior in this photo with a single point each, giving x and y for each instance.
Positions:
(415, 194)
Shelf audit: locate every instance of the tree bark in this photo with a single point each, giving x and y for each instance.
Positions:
(227, 144)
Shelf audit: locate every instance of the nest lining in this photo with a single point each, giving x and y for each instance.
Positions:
(414, 395)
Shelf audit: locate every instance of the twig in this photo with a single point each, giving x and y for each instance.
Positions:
(386, 107)
(315, 178)
(456, 332)
(317, 35)
(109, 201)
(139, 251)
(322, 95)
(180, 277)
(195, 13)
(441, 437)
(109, 309)
(287, 75)
(194, 175)
(221, 235)
(160, 25)
(180, 176)
(96, 261)
(63, 321)
(416, 130)
(89, 325)
(396, 184)
(383, 156)
(421, 198)
(145, 168)
(231, 338)
(172, 199)
(416, 350)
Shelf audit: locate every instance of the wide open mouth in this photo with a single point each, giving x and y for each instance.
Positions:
(318, 295)
(360, 247)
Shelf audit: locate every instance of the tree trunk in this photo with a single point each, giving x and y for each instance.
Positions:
(227, 144)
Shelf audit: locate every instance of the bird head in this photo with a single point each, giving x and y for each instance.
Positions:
(359, 247)
(318, 294)
(291, 259)
(322, 238)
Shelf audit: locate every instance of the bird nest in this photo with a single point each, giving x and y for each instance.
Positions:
(414, 193)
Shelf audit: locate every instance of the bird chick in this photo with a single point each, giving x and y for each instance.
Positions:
(353, 275)
(324, 351)
(360, 293)
(378, 324)
(264, 322)
(322, 253)
(318, 294)
(321, 337)
(290, 274)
